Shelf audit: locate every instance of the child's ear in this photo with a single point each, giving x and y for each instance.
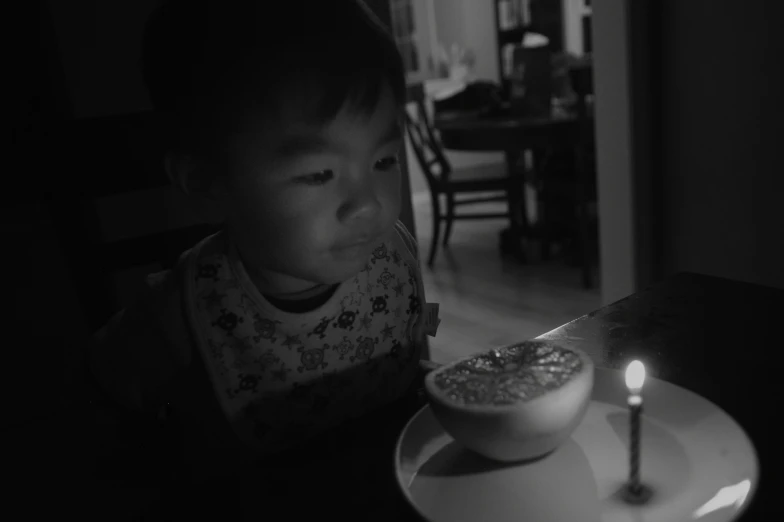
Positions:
(193, 179)
(186, 174)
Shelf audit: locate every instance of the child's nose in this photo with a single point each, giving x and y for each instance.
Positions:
(362, 202)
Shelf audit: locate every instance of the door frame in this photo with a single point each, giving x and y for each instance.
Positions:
(625, 64)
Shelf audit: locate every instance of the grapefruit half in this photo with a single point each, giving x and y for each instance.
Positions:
(513, 403)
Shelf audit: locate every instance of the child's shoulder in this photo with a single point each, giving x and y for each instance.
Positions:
(155, 316)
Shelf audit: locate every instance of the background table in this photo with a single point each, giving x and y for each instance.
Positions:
(503, 131)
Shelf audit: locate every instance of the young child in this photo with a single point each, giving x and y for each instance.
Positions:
(305, 311)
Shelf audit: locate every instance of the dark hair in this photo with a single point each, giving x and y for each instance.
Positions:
(206, 62)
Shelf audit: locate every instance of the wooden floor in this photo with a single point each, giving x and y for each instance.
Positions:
(487, 301)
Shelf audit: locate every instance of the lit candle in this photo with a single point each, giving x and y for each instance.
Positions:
(635, 376)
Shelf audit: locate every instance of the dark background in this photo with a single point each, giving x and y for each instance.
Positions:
(712, 93)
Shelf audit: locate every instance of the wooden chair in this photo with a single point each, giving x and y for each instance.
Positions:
(443, 180)
(95, 159)
(75, 168)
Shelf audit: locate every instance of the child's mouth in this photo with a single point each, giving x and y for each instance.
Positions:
(359, 243)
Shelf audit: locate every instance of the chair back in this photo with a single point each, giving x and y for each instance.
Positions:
(426, 143)
(112, 165)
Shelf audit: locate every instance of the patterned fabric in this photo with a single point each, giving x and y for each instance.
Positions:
(282, 377)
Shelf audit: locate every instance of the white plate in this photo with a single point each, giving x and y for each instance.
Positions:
(696, 460)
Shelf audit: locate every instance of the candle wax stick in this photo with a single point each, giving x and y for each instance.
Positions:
(635, 409)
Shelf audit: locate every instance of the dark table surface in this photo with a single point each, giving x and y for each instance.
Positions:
(501, 130)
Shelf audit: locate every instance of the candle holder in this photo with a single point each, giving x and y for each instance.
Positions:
(641, 495)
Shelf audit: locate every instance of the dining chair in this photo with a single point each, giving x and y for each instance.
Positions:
(453, 184)
(97, 161)
(89, 164)
(77, 169)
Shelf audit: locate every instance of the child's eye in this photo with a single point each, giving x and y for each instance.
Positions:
(317, 178)
(388, 163)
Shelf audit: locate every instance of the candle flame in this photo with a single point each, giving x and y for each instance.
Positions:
(635, 376)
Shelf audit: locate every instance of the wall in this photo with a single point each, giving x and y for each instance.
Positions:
(48, 327)
(688, 128)
(471, 24)
(573, 11)
(99, 44)
(722, 168)
(449, 23)
(614, 154)
(481, 37)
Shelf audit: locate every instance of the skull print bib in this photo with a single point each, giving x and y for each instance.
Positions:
(281, 377)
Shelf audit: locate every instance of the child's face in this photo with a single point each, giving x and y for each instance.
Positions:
(306, 204)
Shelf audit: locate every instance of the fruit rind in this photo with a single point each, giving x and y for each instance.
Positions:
(521, 430)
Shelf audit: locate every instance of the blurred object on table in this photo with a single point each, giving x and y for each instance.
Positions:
(476, 97)
(531, 85)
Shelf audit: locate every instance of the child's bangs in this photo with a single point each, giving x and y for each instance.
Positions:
(317, 98)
